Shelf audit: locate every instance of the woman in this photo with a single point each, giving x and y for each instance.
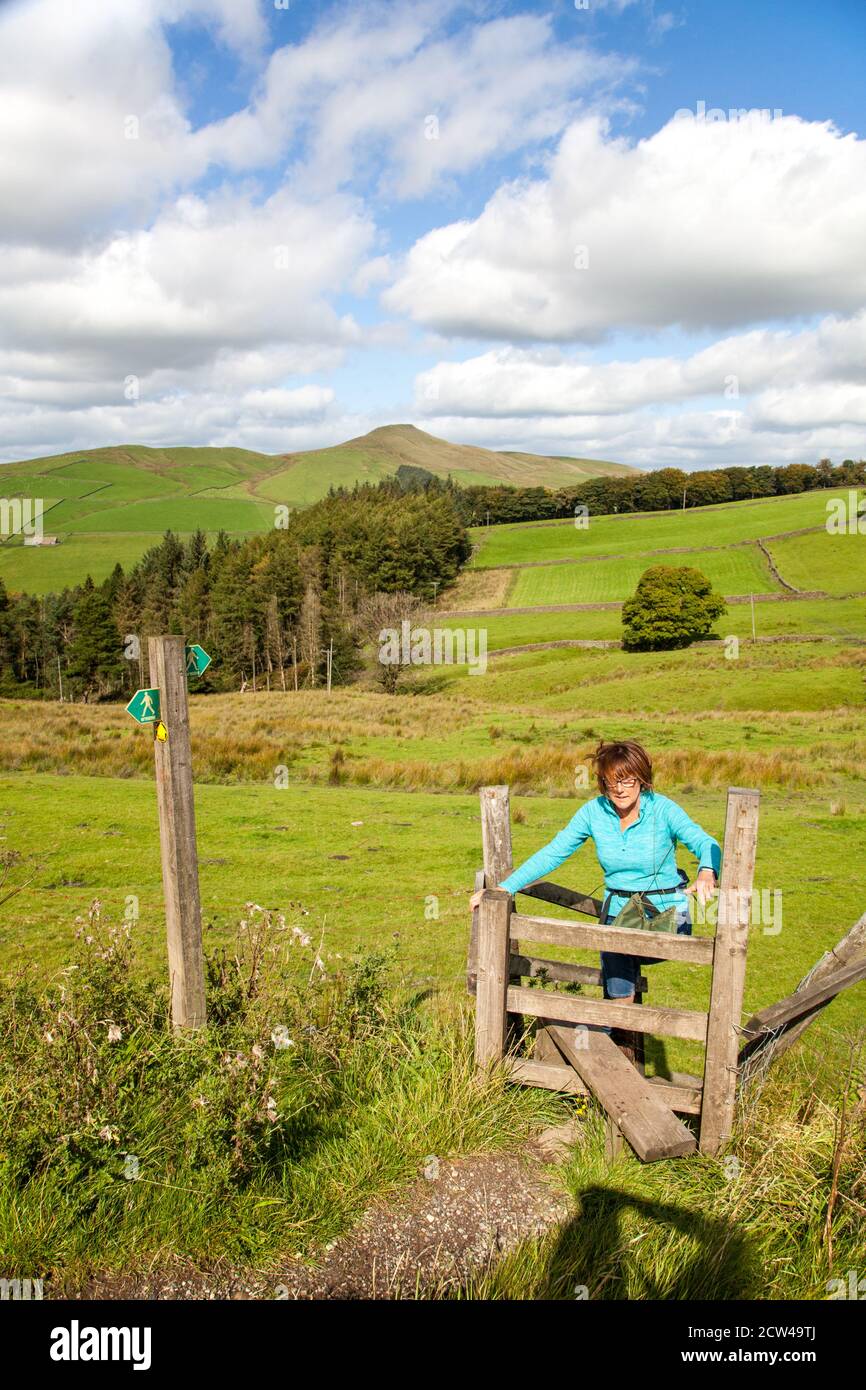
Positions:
(635, 831)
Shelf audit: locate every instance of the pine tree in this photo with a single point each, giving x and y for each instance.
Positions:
(95, 654)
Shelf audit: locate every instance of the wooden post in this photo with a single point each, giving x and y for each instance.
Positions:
(729, 968)
(494, 916)
(495, 834)
(174, 796)
(472, 966)
(496, 846)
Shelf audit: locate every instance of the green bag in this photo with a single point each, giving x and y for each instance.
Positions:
(635, 914)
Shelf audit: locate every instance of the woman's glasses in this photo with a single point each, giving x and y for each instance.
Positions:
(613, 784)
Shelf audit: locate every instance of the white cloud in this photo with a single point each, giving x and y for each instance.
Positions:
(512, 381)
(209, 277)
(119, 259)
(702, 224)
(384, 92)
(776, 395)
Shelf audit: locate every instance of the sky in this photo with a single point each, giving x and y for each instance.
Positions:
(618, 229)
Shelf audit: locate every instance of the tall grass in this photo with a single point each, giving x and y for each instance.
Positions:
(322, 1083)
(757, 1222)
(417, 744)
(318, 1084)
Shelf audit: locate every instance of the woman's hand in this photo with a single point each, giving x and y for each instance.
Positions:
(704, 886)
(475, 900)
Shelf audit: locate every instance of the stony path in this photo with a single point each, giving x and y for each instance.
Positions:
(451, 1223)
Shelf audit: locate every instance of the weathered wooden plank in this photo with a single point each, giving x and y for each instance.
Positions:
(641, 1018)
(564, 897)
(495, 834)
(550, 1076)
(174, 794)
(492, 986)
(685, 1099)
(801, 1002)
(729, 967)
(694, 950)
(848, 951)
(634, 1104)
(544, 1049)
(681, 1091)
(472, 961)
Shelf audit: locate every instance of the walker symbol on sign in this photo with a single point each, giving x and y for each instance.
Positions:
(197, 660)
(144, 706)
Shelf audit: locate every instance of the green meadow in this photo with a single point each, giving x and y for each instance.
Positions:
(740, 570)
(641, 532)
(356, 814)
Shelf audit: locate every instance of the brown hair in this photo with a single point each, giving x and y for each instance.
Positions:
(626, 757)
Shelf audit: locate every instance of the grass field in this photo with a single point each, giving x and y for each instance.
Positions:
(642, 532)
(740, 570)
(48, 569)
(817, 617)
(356, 813)
(836, 564)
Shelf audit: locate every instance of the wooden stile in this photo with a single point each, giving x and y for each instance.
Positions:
(638, 1109)
(577, 1059)
(729, 968)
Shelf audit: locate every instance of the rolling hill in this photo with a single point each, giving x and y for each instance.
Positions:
(111, 504)
(553, 582)
(378, 454)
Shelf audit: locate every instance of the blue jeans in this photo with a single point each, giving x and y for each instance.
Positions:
(619, 972)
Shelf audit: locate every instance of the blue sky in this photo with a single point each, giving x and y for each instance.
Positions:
(484, 218)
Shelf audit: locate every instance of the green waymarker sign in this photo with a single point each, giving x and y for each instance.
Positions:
(144, 706)
(197, 660)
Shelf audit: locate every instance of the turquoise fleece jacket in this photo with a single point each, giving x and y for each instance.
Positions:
(641, 857)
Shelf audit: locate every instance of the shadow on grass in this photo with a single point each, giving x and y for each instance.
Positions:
(595, 1256)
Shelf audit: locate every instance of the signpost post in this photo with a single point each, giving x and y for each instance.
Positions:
(165, 706)
(174, 794)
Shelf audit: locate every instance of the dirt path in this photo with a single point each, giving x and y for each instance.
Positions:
(795, 597)
(451, 1223)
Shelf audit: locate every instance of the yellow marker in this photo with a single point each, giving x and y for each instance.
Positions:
(161, 732)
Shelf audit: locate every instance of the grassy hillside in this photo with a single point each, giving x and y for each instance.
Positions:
(380, 453)
(641, 532)
(777, 548)
(112, 504)
(374, 841)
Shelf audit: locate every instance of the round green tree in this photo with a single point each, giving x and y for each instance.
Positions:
(672, 606)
